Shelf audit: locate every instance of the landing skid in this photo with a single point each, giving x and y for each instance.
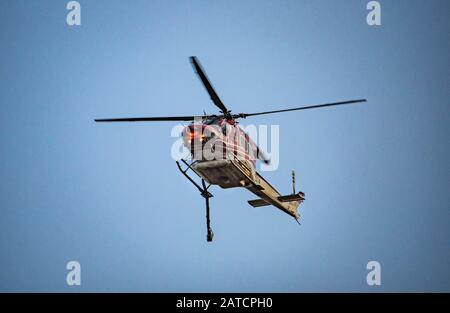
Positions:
(203, 192)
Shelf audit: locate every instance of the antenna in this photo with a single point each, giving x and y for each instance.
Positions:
(293, 182)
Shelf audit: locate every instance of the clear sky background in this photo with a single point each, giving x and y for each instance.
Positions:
(376, 175)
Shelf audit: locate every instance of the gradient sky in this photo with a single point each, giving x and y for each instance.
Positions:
(376, 175)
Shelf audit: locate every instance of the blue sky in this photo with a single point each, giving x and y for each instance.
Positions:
(109, 196)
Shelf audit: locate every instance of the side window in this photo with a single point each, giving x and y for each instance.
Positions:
(247, 144)
(224, 129)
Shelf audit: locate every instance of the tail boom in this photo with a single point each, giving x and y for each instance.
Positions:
(268, 195)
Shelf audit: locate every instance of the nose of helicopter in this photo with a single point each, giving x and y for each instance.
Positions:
(193, 133)
(198, 133)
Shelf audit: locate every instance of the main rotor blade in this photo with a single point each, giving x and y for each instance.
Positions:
(262, 156)
(209, 88)
(244, 115)
(150, 119)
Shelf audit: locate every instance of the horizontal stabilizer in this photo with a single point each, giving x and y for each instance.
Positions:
(294, 197)
(258, 202)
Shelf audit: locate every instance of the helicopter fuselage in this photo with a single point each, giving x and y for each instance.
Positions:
(223, 154)
(214, 144)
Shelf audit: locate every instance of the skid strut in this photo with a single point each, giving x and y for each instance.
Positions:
(203, 192)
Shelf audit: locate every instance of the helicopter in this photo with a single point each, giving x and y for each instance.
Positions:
(223, 154)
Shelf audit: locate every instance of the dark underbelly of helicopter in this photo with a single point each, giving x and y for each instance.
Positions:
(225, 173)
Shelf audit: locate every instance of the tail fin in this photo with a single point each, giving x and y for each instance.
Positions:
(293, 182)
